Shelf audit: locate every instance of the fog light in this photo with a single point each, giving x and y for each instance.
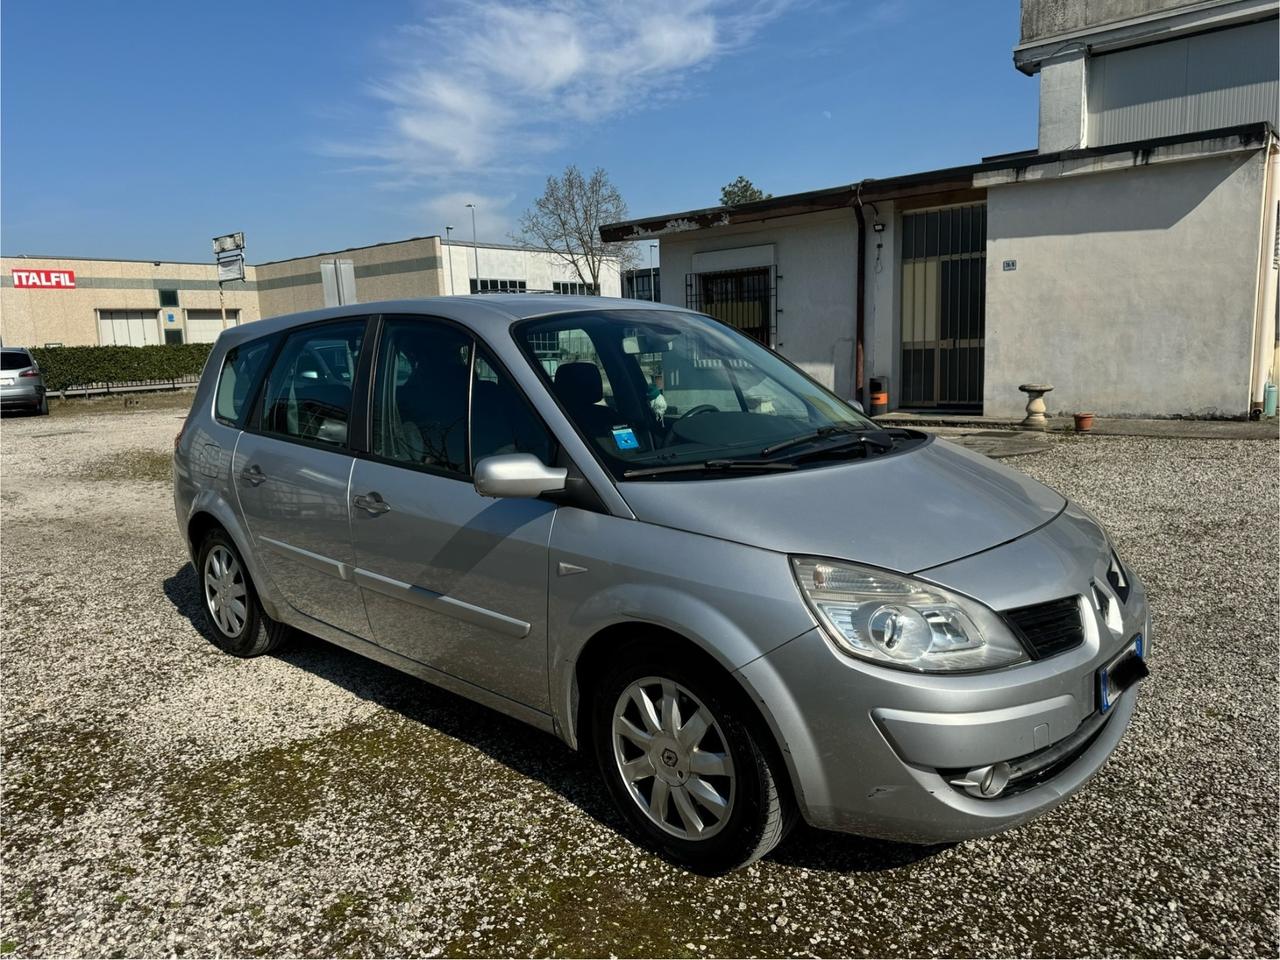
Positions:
(986, 782)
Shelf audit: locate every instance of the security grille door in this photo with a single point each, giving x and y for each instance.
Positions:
(742, 299)
(944, 263)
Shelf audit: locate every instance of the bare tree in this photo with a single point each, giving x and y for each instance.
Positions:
(567, 218)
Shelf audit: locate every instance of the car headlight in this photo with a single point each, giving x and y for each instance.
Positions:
(901, 622)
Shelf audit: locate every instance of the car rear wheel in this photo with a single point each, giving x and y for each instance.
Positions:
(239, 624)
(685, 768)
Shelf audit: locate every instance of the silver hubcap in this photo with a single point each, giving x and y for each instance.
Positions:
(673, 758)
(224, 591)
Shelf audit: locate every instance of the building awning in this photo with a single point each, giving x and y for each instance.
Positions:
(1007, 168)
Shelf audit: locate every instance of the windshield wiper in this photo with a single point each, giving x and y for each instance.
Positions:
(874, 439)
(708, 466)
(830, 430)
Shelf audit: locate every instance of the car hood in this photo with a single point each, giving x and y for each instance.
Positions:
(907, 511)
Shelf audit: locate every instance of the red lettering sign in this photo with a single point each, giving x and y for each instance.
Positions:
(45, 279)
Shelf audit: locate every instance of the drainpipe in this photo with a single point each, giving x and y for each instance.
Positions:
(860, 296)
(1264, 351)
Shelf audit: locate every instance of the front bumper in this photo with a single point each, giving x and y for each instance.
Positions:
(874, 751)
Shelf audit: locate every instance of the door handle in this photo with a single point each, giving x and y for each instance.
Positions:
(253, 474)
(372, 503)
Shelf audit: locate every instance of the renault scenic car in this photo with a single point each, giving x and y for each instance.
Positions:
(637, 529)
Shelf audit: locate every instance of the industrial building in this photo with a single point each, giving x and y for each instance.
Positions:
(83, 301)
(1130, 260)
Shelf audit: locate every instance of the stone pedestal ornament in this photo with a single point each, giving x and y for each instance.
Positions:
(1035, 418)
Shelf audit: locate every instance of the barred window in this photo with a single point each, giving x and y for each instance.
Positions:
(575, 289)
(488, 285)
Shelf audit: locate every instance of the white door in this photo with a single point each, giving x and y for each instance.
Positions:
(203, 326)
(128, 328)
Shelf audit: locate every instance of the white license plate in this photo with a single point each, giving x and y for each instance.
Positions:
(7, 381)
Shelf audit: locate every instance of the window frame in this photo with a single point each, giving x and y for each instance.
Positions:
(359, 391)
(161, 291)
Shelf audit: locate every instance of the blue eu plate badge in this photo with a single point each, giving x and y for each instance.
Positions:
(624, 438)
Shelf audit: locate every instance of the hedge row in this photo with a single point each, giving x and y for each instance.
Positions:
(67, 367)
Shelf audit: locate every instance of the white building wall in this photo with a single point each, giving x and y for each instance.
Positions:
(815, 255)
(1134, 292)
(537, 268)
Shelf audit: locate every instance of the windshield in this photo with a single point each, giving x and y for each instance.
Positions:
(653, 391)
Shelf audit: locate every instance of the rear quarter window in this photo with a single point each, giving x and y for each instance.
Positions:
(241, 368)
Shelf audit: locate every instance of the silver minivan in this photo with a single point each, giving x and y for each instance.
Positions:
(636, 528)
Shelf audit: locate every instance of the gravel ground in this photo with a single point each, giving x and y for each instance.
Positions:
(160, 798)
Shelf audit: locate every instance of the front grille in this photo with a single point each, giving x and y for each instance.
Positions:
(1046, 629)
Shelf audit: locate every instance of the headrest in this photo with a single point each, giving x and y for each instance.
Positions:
(579, 383)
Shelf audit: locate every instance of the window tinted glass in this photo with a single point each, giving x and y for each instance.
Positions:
(14, 360)
(240, 369)
(420, 395)
(501, 419)
(308, 395)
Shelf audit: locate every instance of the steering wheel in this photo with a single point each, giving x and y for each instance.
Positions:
(700, 408)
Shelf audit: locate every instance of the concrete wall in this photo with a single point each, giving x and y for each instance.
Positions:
(1134, 291)
(33, 318)
(388, 271)
(1063, 115)
(815, 256)
(1042, 19)
(536, 268)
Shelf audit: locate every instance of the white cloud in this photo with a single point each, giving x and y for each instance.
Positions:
(482, 88)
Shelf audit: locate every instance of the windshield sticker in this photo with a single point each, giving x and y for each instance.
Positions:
(624, 438)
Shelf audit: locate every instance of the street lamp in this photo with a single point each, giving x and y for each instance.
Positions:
(448, 235)
(474, 245)
(652, 247)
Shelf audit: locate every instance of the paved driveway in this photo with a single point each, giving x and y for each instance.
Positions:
(160, 798)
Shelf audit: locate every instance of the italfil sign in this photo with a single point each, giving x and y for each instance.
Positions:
(42, 279)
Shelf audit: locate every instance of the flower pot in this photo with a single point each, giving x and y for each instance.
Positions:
(1084, 422)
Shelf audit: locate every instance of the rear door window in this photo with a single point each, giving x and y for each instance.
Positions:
(308, 392)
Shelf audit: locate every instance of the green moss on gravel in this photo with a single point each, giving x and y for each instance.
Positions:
(138, 464)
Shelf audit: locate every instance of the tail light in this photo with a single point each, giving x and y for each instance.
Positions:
(30, 373)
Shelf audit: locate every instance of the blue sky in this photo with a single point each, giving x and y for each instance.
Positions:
(141, 129)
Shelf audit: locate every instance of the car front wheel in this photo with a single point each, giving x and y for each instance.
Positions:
(685, 768)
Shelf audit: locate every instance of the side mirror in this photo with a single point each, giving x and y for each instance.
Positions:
(858, 406)
(517, 475)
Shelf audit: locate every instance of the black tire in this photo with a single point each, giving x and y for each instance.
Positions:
(257, 633)
(761, 812)
(43, 409)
